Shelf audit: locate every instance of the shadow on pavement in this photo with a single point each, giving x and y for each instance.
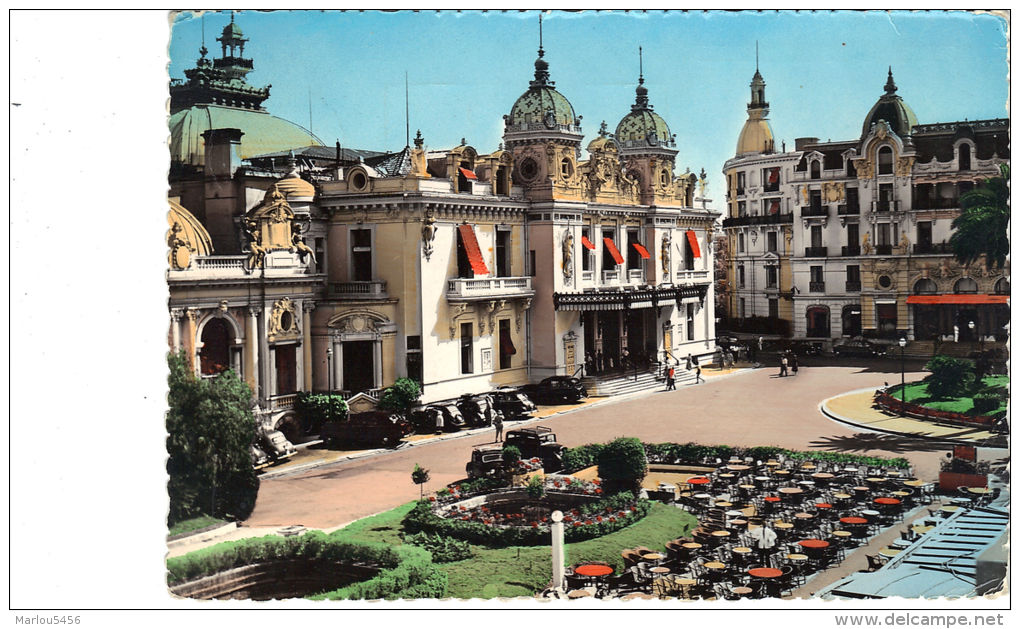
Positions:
(871, 441)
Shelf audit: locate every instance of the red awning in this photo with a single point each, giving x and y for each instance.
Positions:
(641, 250)
(474, 252)
(613, 251)
(506, 345)
(467, 173)
(968, 300)
(774, 207)
(692, 239)
(773, 175)
(587, 243)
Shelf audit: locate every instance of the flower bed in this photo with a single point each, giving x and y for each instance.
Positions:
(513, 517)
(893, 405)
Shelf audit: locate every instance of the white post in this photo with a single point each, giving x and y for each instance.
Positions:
(557, 550)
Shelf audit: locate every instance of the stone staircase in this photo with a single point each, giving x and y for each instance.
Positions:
(623, 384)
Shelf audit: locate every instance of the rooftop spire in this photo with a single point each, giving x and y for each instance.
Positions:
(756, 56)
(541, 65)
(641, 101)
(890, 85)
(641, 67)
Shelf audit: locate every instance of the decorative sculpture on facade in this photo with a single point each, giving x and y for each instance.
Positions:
(283, 320)
(428, 232)
(568, 257)
(664, 255)
(270, 227)
(866, 244)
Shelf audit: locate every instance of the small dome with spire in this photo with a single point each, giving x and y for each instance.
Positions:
(642, 126)
(893, 109)
(756, 136)
(542, 103)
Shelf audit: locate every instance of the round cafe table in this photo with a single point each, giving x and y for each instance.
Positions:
(698, 480)
(702, 496)
(726, 475)
(578, 593)
(733, 513)
(738, 467)
(887, 502)
(980, 491)
(761, 479)
(840, 534)
(738, 523)
(715, 565)
(746, 487)
(653, 557)
(893, 474)
(823, 475)
(853, 520)
(772, 463)
(871, 514)
(771, 498)
(782, 525)
(813, 544)
(782, 472)
(949, 509)
(593, 570)
(823, 505)
(861, 489)
(724, 504)
(807, 483)
(914, 483)
(791, 490)
(797, 557)
(720, 533)
(841, 496)
(741, 550)
(875, 480)
(691, 546)
(901, 494)
(659, 570)
(742, 590)
(889, 553)
(765, 573)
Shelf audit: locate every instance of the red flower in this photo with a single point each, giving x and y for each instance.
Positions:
(598, 491)
(587, 521)
(612, 519)
(598, 518)
(534, 525)
(597, 481)
(432, 498)
(545, 519)
(623, 513)
(577, 524)
(463, 508)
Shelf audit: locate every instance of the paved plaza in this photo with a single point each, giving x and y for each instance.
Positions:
(743, 408)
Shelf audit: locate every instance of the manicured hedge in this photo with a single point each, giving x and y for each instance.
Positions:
(578, 458)
(406, 571)
(423, 518)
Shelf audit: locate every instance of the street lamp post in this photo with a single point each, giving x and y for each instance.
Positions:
(903, 378)
(329, 367)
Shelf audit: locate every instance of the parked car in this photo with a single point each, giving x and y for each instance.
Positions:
(371, 428)
(556, 390)
(259, 458)
(477, 410)
(276, 445)
(486, 462)
(858, 347)
(437, 418)
(537, 441)
(512, 403)
(806, 348)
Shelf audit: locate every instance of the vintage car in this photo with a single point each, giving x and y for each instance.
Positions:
(486, 462)
(513, 404)
(259, 458)
(858, 347)
(477, 410)
(556, 390)
(276, 445)
(371, 428)
(437, 418)
(537, 441)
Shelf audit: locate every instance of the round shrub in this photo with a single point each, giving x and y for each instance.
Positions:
(623, 465)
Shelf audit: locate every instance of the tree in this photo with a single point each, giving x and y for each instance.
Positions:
(950, 377)
(623, 465)
(210, 429)
(420, 476)
(400, 396)
(317, 408)
(981, 228)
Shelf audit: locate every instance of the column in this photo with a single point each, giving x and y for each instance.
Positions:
(252, 350)
(377, 362)
(190, 342)
(306, 344)
(556, 531)
(175, 328)
(338, 364)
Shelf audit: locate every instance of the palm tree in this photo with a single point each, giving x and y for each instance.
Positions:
(981, 227)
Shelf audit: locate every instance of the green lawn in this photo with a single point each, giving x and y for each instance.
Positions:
(194, 524)
(917, 393)
(524, 570)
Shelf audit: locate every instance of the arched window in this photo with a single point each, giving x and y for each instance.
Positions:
(1002, 286)
(965, 285)
(816, 169)
(818, 321)
(885, 161)
(965, 157)
(925, 286)
(215, 354)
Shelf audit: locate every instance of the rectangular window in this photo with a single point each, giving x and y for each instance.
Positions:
(740, 243)
(531, 263)
(885, 197)
(586, 253)
(882, 234)
(770, 179)
(690, 322)
(772, 239)
(741, 208)
(503, 252)
(740, 276)
(506, 345)
(816, 201)
(741, 182)
(467, 348)
(742, 310)
(286, 369)
(361, 255)
(853, 235)
(771, 276)
(816, 274)
(924, 236)
(414, 362)
(633, 257)
(773, 308)
(320, 255)
(853, 274)
(608, 263)
(853, 200)
(816, 235)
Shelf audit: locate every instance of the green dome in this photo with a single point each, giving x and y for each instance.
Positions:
(643, 125)
(534, 104)
(232, 31)
(891, 108)
(263, 132)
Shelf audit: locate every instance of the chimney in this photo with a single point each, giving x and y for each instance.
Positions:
(800, 143)
(222, 152)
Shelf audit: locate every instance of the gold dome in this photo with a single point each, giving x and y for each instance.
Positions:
(756, 136)
(294, 188)
(186, 237)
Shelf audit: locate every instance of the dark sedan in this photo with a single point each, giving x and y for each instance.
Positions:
(556, 390)
(858, 347)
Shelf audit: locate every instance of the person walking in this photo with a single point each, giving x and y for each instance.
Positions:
(599, 361)
(497, 421)
(783, 364)
(671, 379)
(689, 363)
(793, 363)
(697, 374)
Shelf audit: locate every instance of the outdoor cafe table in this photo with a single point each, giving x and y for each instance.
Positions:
(980, 491)
(841, 498)
(813, 544)
(791, 490)
(773, 464)
(766, 574)
(578, 593)
(715, 565)
(914, 483)
(782, 525)
(723, 503)
(659, 570)
(726, 475)
(804, 515)
(782, 472)
(870, 514)
(685, 583)
(738, 468)
(720, 533)
(853, 520)
(771, 498)
(887, 502)
(823, 505)
(949, 509)
(742, 590)
(741, 550)
(875, 480)
(860, 489)
(702, 496)
(593, 570)
(653, 557)
(798, 557)
(738, 523)
(901, 494)
(761, 479)
(841, 534)
(809, 466)
(691, 546)
(889, 553)
(850, 470)
(698, 480)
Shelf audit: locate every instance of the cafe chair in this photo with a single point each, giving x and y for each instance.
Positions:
(630, 558)
(874, 563)
(626, 582)
(575, 581)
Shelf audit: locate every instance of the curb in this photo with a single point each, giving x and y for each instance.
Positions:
(204, 536)
(824, 410)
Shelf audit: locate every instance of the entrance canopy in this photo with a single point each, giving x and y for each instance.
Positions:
(969, 300)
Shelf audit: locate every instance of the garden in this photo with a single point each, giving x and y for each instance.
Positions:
(956, 390)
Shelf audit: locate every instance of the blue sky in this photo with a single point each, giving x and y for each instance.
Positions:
(823, 70)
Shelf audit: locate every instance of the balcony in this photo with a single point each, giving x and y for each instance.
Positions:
(815, 210)
(883, 250)
(939, 247)
(610, 276)
(689, 277)
(758, 219)
(358, 290)
(816, 252)
(282, 402)
(853, 287)
(851, 250)
(936, 204)
(883, 207)
(848, 210)
(587, 276)
(816, 287)
(636, 275)
(465, 290)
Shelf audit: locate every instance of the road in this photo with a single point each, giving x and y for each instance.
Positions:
(743, 409)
